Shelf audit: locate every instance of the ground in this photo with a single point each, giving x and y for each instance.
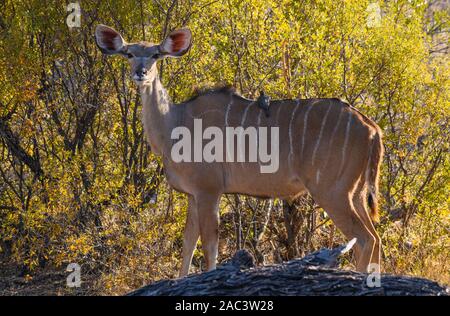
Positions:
(43, 281)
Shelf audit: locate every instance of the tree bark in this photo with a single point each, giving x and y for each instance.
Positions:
(296, 277)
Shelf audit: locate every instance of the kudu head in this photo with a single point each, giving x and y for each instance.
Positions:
(143, 55)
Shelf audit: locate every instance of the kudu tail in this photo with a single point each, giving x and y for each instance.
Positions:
(372, 174)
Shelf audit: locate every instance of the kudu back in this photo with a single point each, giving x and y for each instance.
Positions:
(326, 148)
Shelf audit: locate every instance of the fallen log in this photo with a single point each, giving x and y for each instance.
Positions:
(316, 274)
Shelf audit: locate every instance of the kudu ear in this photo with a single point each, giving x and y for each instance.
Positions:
(109, 40)
(177, 43)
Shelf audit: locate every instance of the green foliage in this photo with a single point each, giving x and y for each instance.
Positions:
(77, 178)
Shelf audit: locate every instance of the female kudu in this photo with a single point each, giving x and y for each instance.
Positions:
(326, 148)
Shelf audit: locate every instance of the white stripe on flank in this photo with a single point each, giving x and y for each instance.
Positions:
(305, 123)
(320, 134)
(245, 113)
(335, 127)
(317, 176)
(347, 131)
(228, 110)
(290, 128)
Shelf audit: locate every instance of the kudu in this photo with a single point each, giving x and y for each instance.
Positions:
(326, 148)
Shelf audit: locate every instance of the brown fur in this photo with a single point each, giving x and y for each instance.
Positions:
(326, 148)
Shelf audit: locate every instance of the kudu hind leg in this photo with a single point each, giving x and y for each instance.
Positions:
(208, 213)
(191, 234)
(360, 203)
(341, 210)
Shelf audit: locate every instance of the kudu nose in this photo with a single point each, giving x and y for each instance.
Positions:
(141, 72)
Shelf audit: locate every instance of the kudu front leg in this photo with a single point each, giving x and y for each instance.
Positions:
(191, 234)
(208, 214)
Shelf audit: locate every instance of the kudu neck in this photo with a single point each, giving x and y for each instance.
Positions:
(156, 116)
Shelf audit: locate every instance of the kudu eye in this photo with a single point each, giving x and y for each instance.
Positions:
(129, 55)
(156, 56)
